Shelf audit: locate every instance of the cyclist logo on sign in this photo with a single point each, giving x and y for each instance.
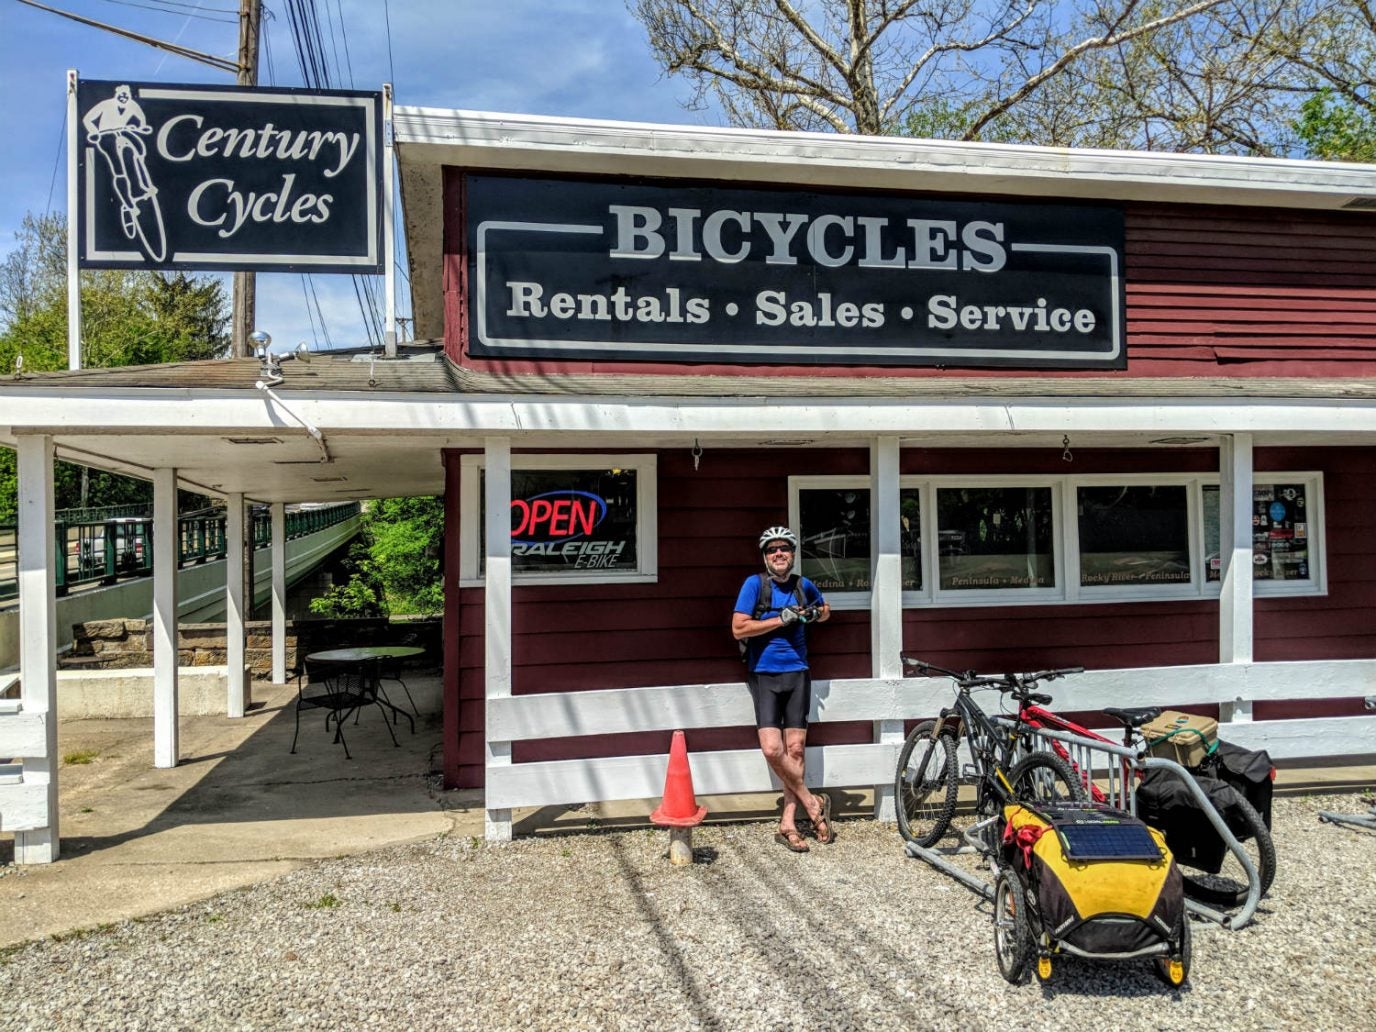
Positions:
(114, 127)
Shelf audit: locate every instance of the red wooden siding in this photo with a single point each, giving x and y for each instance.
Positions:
(1211, 291)
(1244, 286)
(573, 638)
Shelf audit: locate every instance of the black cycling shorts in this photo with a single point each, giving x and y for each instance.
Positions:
(781, 700)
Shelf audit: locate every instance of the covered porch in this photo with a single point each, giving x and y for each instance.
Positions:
(360, 428)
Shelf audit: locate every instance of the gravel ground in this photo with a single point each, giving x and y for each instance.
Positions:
(597, 931)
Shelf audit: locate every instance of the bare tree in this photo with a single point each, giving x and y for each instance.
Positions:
(1208, 75)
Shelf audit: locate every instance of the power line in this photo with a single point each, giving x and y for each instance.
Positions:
(195, 12)
(57, 162)
(180, 51)
(387, 19)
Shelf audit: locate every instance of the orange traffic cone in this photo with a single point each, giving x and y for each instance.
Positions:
(679, 809)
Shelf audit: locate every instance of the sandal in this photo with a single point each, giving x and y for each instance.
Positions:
(823, 821)
(791, 840)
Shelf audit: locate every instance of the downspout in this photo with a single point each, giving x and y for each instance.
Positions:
(266, 388)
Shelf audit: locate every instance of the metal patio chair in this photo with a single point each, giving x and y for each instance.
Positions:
(341, 690)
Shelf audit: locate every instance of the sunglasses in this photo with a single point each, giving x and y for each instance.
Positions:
(778, 548)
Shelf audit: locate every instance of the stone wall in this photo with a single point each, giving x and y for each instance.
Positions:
(125, 644)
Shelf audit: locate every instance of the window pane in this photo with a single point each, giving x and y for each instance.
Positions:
(910, 537)
(566, 520)
(995, 538)
(1134, 535)
(1280, 532)
(835, 528)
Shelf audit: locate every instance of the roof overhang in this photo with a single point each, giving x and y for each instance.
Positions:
(389, 444)
(428, 139)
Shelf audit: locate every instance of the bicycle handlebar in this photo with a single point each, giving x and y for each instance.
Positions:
(1006, 682)
(142, 130)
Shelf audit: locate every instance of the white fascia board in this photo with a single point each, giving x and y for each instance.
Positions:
(487, 140)
(142, 411)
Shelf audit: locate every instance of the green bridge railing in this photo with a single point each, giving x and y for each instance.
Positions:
(106, 545)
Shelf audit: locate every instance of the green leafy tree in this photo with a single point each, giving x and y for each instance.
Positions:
(359, 597)
(128, 318)
(399, 566)
(1337, 131)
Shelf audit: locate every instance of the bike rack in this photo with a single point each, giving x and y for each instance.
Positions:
(1112, 772)
(1357, 820)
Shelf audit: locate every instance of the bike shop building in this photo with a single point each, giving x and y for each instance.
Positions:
(1025, 407)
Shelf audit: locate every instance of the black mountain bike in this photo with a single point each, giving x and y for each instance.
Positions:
(1002, 770)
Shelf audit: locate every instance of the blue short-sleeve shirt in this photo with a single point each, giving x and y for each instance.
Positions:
(784, 649)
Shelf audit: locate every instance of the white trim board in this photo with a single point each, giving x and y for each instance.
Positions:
(45, 409)
(842, 766)
(624, 710)
(714, 773)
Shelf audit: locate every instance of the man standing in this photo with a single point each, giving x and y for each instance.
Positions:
(772, 611)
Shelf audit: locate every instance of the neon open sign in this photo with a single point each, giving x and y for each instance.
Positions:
(556, 515)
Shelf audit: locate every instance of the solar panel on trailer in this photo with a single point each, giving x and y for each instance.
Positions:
(1108, 842)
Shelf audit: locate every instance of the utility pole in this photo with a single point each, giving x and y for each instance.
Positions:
(245, 285)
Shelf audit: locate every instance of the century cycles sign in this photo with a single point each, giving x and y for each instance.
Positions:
(605, 270)
(207, 177)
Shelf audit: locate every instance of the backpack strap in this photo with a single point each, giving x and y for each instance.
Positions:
(764, 594)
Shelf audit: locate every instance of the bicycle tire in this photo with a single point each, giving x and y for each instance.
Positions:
(925, 803)
(1013, 942)
(1034, 779)
(1229, 888)
(1162, 965)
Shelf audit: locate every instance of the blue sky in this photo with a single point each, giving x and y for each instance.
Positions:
(585, 58)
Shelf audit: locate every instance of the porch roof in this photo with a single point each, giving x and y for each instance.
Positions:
(383, 423)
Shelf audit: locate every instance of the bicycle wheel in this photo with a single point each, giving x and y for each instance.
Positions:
(1228, 888)
(925, 785)
(1044, 777)
(148, 226)
(1162, 965)
(1013, 944)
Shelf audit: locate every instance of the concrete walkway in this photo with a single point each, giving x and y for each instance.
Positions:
(241, 809)
(238, 809)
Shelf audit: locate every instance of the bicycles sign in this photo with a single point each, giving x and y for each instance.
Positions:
(205, 177)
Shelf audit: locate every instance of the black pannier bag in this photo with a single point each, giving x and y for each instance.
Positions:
(1249, 772)
(1164, 801)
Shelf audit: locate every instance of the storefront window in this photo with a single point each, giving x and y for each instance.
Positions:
(835, 528)
(1138, 534)
(1282, 532)
(569, 520)
(995, 538)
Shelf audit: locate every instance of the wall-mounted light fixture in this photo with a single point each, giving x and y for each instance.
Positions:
(270, 365)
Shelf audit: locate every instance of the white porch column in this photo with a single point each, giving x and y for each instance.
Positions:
(1235, 552)
(237, 682)
(497, 606)
(165, 659)
(37, 637)
(279, 592)
(886, 595)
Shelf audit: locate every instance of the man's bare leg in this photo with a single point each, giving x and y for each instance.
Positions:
(784, 752)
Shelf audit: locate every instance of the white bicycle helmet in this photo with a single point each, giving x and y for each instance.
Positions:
(778, 534)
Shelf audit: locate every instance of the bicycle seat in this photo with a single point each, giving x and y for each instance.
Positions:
(1133, 717)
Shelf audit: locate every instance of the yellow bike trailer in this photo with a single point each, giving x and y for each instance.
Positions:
(1089, 881)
